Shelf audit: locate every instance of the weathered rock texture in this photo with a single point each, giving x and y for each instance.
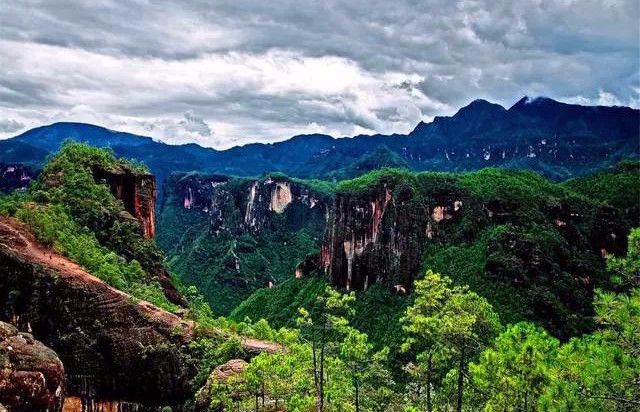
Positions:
(231, 236)
(223, 374)
(379, 232)
(137, 191)
(247, 205)
(31, 374)
(120, 354)
(112, 346)
(379, 235)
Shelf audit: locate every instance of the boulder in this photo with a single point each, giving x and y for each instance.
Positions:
(31, 374)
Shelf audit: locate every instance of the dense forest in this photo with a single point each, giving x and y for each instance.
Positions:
(458, 341)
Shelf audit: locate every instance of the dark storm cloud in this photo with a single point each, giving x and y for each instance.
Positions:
(228, 72)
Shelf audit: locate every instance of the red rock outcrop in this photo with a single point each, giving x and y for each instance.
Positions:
(223, 374)
(137, 191)
(112, 346)
(31, 374)
(118, 352)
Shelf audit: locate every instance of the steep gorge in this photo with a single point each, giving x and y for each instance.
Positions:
(230, 236)
(534, 248)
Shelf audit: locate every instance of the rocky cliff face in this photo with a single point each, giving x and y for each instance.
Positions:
(31, 374)
(535, 250)
(378, 235)
(119, 353)
(137, 191)
(247, 205)
(230, 236)
(112, 346)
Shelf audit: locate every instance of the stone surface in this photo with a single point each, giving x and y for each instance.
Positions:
(379, 235)
(246, 205)
(137, 191)
(118, 352)
(113, 347)
(31, 374)
(223, 374)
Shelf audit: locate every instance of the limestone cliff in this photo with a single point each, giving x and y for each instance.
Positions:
(378, 235)
(240, 205)
(510, 236)
(137, 191)
(31, 374)
(230, 236)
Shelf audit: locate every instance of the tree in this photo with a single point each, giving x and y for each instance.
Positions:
(626, 270)
(450, 323)
(514, 372)
(601, 372)
(421, 324)
(321, 326)
(354, 350)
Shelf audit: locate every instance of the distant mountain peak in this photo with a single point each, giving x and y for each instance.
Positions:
(526, 101)
(478, 110)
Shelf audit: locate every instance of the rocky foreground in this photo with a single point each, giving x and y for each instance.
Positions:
(118, 353)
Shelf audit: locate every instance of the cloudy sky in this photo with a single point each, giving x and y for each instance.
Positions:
(222, 73)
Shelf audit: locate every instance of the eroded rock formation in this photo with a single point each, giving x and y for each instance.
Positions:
(112, 346)
(247, 205)
(31, 374)
(223, 374)
(379, 235)
(137, 191)
(120, 354)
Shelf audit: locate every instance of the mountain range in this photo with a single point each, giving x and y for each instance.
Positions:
(556, 139)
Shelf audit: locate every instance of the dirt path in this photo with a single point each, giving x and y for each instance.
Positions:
(16, 238)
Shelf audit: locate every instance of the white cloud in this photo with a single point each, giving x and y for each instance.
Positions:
(251, 70)
(10, 125)
(607, 99)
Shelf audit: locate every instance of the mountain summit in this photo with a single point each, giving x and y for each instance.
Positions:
(557, 139)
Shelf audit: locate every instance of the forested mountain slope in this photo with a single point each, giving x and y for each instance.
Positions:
(81, 273)
(535, 249)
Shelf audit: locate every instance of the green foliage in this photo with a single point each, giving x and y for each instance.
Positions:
(227, 263)
(626, 270)
(280, 304)
(69, 211)
(213, 352)
(376, 178)
(618, 187)
(446, 326)
(513, 373)
(600, 372)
